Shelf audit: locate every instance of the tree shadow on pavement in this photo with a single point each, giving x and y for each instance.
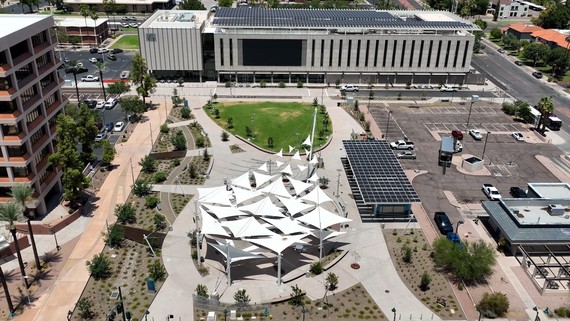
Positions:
(52, 256)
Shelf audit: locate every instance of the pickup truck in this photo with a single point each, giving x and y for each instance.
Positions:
(90, 78)
(402, 144)
(492, 192)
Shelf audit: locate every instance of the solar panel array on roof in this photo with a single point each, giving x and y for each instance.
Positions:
(324, 18)
(378, 173)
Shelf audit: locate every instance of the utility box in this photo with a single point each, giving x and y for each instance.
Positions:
(446, 151)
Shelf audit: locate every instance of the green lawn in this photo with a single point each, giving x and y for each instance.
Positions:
(281, 121)
(127, 42)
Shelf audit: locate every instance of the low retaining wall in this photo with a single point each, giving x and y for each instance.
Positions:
(50, 227)
(169, 155)
(284, 154)
(11, 250)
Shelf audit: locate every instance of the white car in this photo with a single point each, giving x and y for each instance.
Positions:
(125, 25)
(100, 105)
(518, 136)
(476, 134)
(119, 127)
(349, 88)
(102, 50)
(100, 136)
(110, 103)
(90, 78)
(406, 155)
(79, 65)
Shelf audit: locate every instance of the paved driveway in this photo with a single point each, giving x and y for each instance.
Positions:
(113, 68)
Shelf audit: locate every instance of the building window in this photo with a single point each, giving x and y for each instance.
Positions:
(8, 107)
(43, 60)
(47, 80)
(22, 171)
(340, 53)
(313, 53)
(358, 54)
(421, 53)
(438, 54)
(385, 53)
(16, 151)
(367, 53)
(5, 83)
(4, 172)
(349, 53)
(11, 130)
(3, 59)
(331, 53)
(19, 49)
(39, 38)
(447, 54)
(466, 49)
(456, 53)
(231, 52)
(41, 155)
(37, 135)
(24, 72)
(429, 53)
(51, 100)
(322, 51)
(33, 115)
(45, 174)
(394, 53)
(28, 94)
(412, 53)
(52, 122)
(221, 52)
(402, 58)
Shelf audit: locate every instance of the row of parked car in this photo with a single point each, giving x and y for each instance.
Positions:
(493, 193)
(109, 104)
(110, 128)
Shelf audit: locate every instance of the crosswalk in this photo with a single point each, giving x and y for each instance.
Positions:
(453, 110)
(506, 128)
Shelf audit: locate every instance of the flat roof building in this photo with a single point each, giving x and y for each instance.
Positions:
(312, 46)
(141, 6)
(88, 31)
(30, 100)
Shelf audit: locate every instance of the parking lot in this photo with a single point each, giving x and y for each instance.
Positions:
(112, 68)
(510, 162)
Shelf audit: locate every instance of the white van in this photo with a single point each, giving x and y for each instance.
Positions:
(449, 88)
(111, 102)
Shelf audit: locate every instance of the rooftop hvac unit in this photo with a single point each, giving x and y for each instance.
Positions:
(555, 209)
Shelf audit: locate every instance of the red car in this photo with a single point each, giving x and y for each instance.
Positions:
(457, 134)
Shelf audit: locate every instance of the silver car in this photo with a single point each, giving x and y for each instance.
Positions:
(406, 155)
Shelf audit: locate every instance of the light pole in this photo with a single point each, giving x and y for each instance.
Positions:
(480, 311)
(474, 99)
(253, 125)
(230, 84)
(24, 280)
(303, 311)
(394, 310)
(387, 124)
(338, 183)
(457, 226)
(55, 238)
(146, 313)
(537, 318)
(297, 140)
(225, 314)
(485, 147)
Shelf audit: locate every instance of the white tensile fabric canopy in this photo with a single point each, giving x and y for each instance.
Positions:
(287, 225)
(287, 170)
(243, 195)
(291, 148)
(299, 186)
(279, 163)
(326, 234)
(307, 141)
(302, 167)
(242, 181)
(224, 211)
(296, 156)
(276, 188)
(265, 207)
(317, 196)
(314, 160)
(280, 154)
(211, 226)
(215, 195)
(261, 179)
(314, 177)
(263, 167)
(235, 253)
(279, 243)
(294, 205)
(321, 218)
(247, 227)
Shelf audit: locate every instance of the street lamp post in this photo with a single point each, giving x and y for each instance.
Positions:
(225, 314)
(55, 238)
(474, 99)
(394, 311)
(485, 147)
(387, 125)
(303, 312)
(146, 313)
(537, 318)
(457, 226)
(24, 280)
(480, 311)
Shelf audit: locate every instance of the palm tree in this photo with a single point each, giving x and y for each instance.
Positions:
(546, 107)
(21, 194)
(6, 291)
(95, 16)
(73, 65)
(85, 11)
(10, 212)
(101, 67)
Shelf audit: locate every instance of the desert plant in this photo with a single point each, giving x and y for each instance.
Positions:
(192, 171)
(262, 84)
(151, 201)
(185, 113)
(178, 141)
(225, 136)
(85, 307)
(356, 108)
(148, 164)
(241, 298)
(100, 267)
(299, 84)
(297, 296)
(407, 254)
(323, 181)
(164, 128)
(141, 188)
(425, 281)
(230, 122)
(493, 305)
(205, 155)
(156, 270)
(315, 102)
(281, 84)
(115, 236)
(125, 213)
(316, 268)
(202, 290)
(200, 142)
(159, 177)
(216, 113)
(331, 281)
(159, 221)
(472, 262)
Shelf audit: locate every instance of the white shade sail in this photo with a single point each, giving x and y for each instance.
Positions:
(279, 164)
(291, 148)
(300, 186)
(211, 226)
(306, 151)
(261, 179)
(215, 195)
(287, 170)
(224, 211)
(279, 243)
(314, 177)
(321, 218)
(265, 207)
(294, 205)
(287, 225)
(263, 167)
(247, 227)
(296, 156)
(326, 234)
(314, 160)
(242, 181)
(276, 188)
(317, 196)
(243, 195)
(307, 141)
(234, 253)
(302, 167)
(280, 154)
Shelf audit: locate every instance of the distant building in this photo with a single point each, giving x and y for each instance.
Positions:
(140, 6)
(522, 30)
(248, 45)
(30, 101)
(87, 30)
(552, 38)
(509, 8)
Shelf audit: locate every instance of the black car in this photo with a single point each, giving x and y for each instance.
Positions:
(111, 57)
(443, 223)
(90, 103)
(108, 127)
(116, 51)
(80, 70)
(93, 50)
(518, 192)
(518, 63)
(537, 74)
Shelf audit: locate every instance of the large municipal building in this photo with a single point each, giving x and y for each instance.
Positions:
(248, 45)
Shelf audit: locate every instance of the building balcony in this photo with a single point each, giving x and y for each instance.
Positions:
(25, 179)
(5, 67)
(22, 83)
(45, 68)
(32, 102)
(54, 107)
(41, 47)
(19, 159)
(32, 126)
(48, 180)
(10, 116)
(47, 89)
(42, 164)
(8, 93)
(21, 58)
(40, 142)
(4, 180)
(14, 138)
